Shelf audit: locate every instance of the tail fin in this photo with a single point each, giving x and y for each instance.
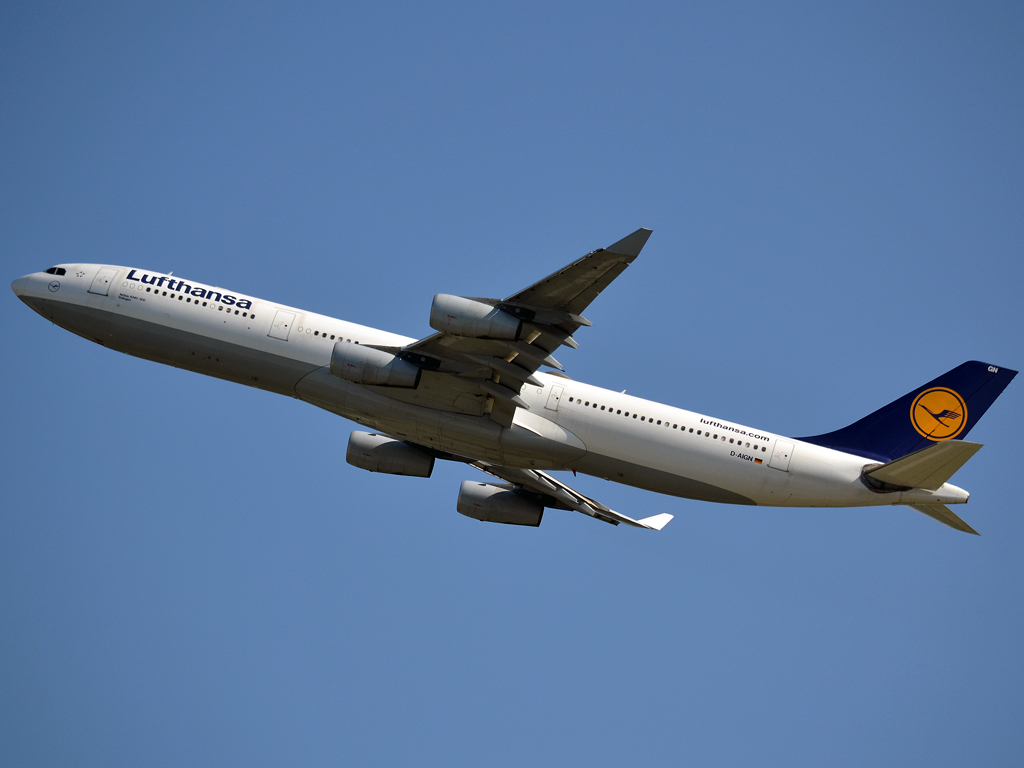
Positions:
(946, 408)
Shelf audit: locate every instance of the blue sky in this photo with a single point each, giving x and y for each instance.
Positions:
(190, 573)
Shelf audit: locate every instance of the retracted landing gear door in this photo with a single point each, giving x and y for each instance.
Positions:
(101, 283)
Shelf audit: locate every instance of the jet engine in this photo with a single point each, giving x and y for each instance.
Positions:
(497, 504)
(465, 317)
(378, 453)
(365, 365)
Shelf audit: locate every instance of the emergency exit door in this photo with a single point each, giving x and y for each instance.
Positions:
(781, 455)
(282, 325)
(554, 397)
(101, 283)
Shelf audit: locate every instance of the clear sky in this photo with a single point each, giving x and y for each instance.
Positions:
(190, 573)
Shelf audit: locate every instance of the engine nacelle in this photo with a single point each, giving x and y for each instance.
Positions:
(377, 453)
(465, 317)
(494, 504)
(363, 365)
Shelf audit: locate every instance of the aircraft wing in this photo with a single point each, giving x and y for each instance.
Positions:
(487, 374)
(557, 494)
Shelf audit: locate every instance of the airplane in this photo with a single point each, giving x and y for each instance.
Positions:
(474, 392)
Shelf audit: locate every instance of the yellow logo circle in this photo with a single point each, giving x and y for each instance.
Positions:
(939, 413)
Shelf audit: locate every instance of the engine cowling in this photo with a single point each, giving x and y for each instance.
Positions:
(494, 504)
(364, 365)
(379, 453)
(465, 317)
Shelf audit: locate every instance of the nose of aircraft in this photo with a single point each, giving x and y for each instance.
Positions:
(19, 286)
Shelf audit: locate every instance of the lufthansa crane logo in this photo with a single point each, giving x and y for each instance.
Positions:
(939, 413)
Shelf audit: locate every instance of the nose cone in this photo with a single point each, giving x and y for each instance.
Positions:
(20, 286)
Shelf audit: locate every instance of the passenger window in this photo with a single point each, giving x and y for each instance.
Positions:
(602, 407)
(619, 411)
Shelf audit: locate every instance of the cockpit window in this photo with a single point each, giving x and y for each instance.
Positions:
(56, 271)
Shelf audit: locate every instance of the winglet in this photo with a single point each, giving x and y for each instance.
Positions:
(631, 245)
(656, 522)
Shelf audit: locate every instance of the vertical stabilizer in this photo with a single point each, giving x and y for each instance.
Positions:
(946, 408)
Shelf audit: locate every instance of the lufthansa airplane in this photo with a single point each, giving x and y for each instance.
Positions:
(474, 392)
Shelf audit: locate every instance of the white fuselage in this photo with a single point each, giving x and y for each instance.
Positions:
(569, 425)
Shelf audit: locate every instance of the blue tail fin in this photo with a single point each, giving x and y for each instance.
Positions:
(945, 408)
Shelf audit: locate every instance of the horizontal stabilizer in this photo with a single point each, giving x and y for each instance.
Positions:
(928, 468)
(944, 515)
